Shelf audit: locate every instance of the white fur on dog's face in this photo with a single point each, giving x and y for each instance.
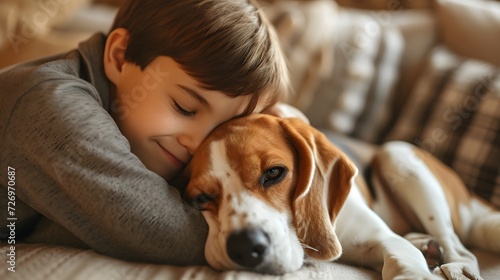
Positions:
(242, 209)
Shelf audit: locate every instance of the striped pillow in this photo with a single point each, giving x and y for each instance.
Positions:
(454, 113)
(355, 99)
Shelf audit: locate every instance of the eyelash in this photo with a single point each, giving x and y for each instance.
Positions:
(183, 111)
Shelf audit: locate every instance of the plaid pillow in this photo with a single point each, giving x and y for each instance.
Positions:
(454, 113)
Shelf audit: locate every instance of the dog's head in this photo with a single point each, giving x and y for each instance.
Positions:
(270, 190)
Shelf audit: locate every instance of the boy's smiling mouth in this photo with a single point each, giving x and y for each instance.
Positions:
(171, 157)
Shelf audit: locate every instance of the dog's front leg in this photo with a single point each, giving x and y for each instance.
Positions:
(366, 240)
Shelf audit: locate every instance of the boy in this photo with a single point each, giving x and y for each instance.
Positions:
(93, 136)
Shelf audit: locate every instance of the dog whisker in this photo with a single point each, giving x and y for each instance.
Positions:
(305, 246)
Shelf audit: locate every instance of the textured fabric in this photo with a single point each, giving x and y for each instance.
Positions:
(388, 5)
(24, 20)
(74, 167)
(355, 98)
(459, 22)
(306, 30)
(454, 113)
(418, 28)
(45, 262)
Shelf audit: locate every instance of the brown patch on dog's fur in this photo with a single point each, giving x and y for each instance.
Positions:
(266, 151)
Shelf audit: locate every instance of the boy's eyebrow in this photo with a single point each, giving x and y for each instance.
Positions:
(194, 94)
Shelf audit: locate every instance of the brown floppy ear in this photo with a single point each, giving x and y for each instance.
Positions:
(324, 180)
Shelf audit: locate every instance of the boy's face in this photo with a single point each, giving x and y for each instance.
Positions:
(165, 114)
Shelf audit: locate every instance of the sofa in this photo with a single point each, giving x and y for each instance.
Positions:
(364, 73)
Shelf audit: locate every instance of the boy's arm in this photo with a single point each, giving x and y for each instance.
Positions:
(75, 167)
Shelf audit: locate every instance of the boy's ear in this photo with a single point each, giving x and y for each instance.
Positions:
(114, 53)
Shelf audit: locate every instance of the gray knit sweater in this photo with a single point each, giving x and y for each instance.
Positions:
(75, 175)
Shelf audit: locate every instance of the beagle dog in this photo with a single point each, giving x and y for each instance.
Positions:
(275, 192)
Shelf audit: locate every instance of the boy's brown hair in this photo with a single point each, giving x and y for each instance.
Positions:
(226, 45)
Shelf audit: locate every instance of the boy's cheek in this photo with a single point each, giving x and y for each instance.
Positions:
(283, 110)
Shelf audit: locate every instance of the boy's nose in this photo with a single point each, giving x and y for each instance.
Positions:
(193, 140)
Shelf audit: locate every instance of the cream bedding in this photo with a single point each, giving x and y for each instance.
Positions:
(39, 261)
(45, 262)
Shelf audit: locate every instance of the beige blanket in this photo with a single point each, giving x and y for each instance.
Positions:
(45, 262)
(38, 261)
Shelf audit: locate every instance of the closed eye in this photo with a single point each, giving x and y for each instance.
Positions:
(202, 201)
(183, 111)
(273, 176)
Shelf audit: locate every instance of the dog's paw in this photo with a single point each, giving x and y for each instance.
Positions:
(430, 248)
(457, 271)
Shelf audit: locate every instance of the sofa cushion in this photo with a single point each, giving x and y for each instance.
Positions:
(306, 33)
(454, 113)
(354, 99)
(38, 261)
(470, 27)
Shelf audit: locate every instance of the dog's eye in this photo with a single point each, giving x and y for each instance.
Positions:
(200, 201)
(273, 176)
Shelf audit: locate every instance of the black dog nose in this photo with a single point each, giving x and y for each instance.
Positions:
(248, 247)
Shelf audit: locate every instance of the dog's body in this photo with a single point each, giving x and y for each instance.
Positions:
(273, 190)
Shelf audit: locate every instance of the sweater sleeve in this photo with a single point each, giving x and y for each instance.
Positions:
(75, 167)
